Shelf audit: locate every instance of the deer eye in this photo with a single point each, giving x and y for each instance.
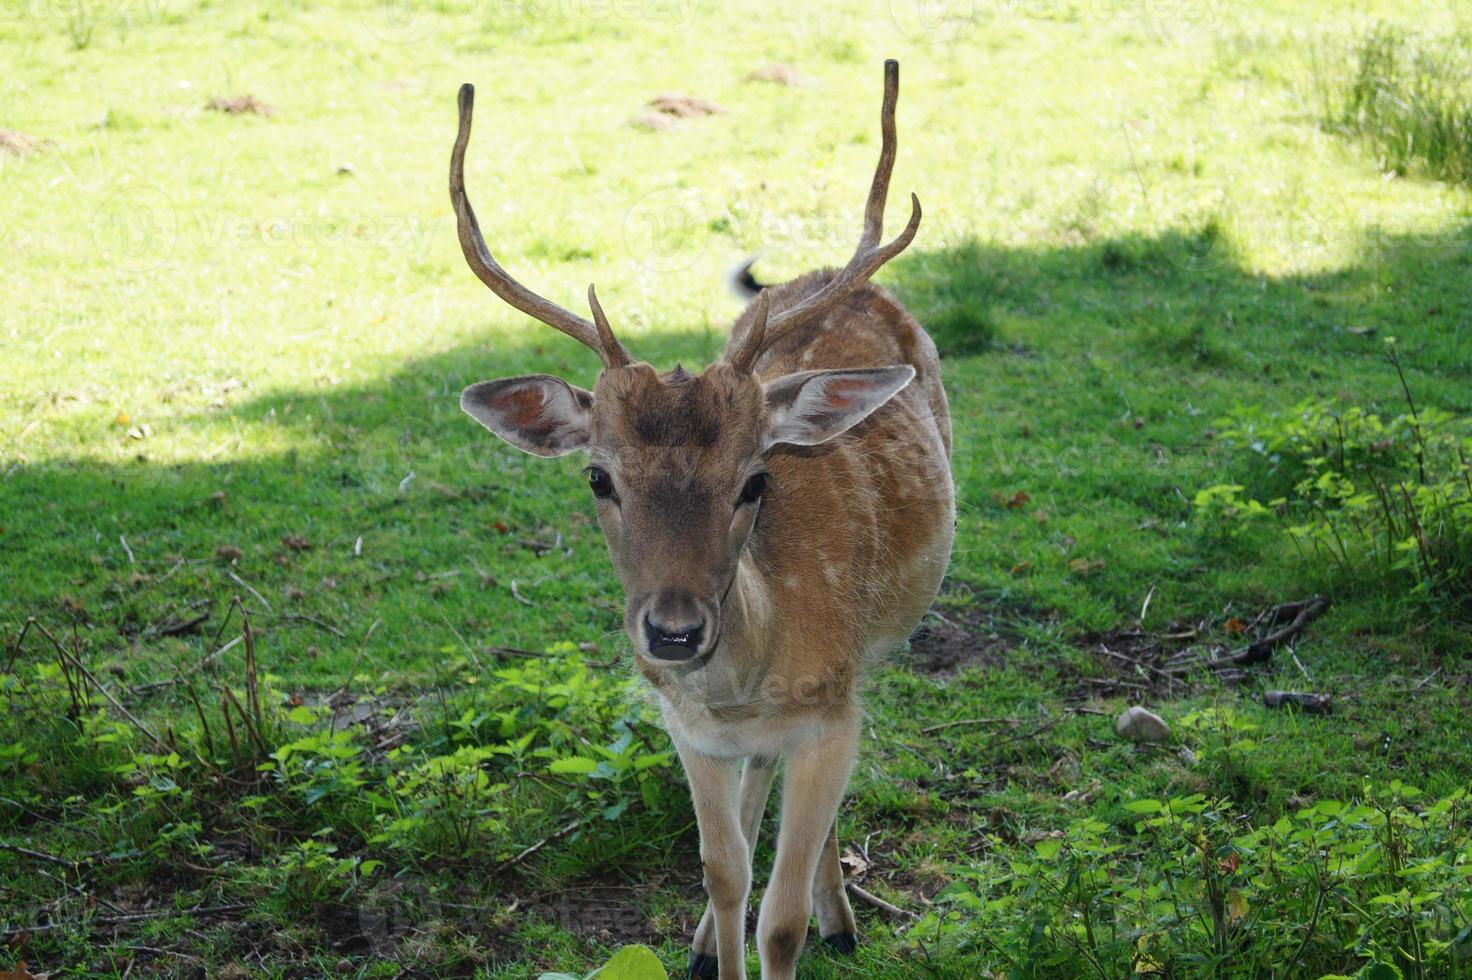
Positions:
(600, 482)
(756, 485)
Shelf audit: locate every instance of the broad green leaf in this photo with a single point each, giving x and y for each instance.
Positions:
(574, 764)
(633, 963)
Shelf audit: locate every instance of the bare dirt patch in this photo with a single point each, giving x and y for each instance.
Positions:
(952, 640)
(685, 106)
(17, 144)
(778, 73)
(240, 105)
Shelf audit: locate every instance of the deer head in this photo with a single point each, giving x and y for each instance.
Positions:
(677, 462)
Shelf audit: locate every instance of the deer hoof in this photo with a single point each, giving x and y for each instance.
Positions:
(843, 942)
(703, 966)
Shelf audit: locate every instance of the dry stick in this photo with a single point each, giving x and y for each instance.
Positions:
(1136, 662)
(19, 641)
(230, 733)
(303, 618)
(868, 897)
(512, 862)
(246, 586)
(347, 682)
(1415, 416)
(252, 687)
(1025, 735)
(80, 891)
(1426, 680)
(209, 741)
(1257, 652)
(250, 729)
(177, 629)
(160, 743)
(204, 660)
(515, 652)
(37, 855)
(208, 658)
(967, 721)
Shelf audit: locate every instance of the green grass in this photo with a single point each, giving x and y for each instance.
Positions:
(1409, 98)
(232, 347)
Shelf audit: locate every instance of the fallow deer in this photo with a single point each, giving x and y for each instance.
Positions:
(779, 522)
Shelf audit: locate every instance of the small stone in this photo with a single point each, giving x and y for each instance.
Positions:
(1186, 756)
(1140, 725)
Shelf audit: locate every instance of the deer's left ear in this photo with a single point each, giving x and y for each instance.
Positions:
(811, 407)
(536, 413)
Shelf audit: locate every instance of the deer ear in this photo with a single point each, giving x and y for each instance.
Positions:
(536, 413)
(811, 407)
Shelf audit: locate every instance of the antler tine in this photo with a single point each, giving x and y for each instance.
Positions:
(869, 255)
(489, 271)
(744, 359)
(879, 188)
(613, 352)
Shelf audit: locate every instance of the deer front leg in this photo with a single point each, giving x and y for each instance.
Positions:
(812, 787)
(714, 787)
(756, 784)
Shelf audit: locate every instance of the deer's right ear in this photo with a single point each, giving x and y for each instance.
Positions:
(536, 413)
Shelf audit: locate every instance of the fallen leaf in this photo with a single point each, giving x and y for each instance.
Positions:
(1236, 905)
(1235, 626)
(228, 552)
(296, 543)
(853, 863)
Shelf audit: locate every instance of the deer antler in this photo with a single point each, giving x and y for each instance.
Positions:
(600, 337)
(744, 359)
(870, 254)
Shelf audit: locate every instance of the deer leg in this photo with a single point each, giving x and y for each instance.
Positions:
(812, 788)
(830, 901)
(714, 790)
(756, 784)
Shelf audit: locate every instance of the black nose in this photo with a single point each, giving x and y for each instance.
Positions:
(673, 643)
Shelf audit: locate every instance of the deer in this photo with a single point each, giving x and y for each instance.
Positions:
(780, 523)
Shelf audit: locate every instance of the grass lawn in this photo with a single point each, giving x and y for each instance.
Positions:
(231, 346)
